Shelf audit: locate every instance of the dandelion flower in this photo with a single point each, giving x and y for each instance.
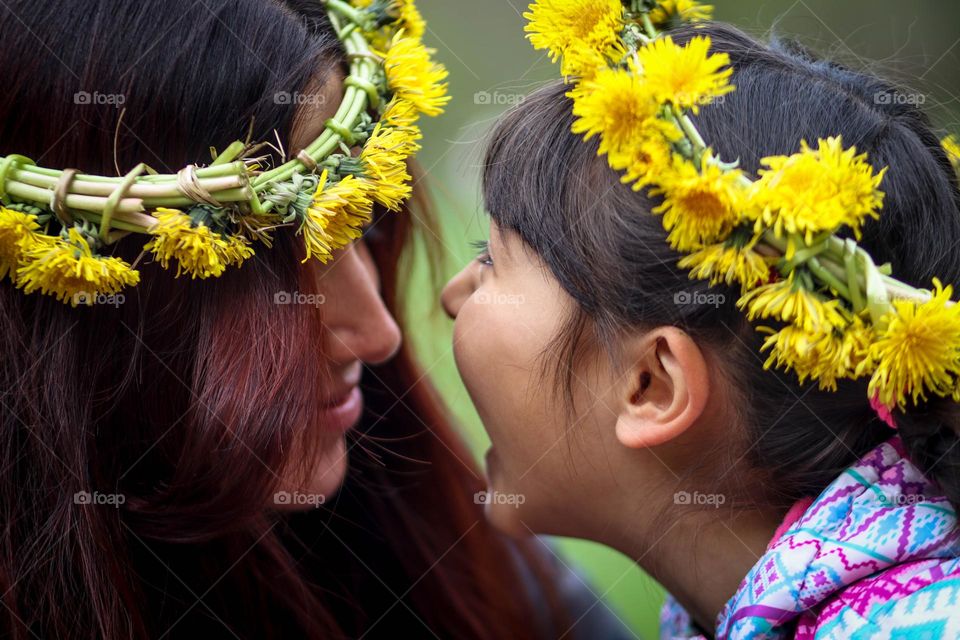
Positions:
(408, 18)
(699, 207)
(917, 351)
(402, 14)
(18, 232)
(236, 250)
(355, 210)
(685, 76)
(68, 269)
(583, 32)
(197, 249)
(384, 162)
(617, 106)
(400, 113)
(817, 190)
(670, 13)
(825, 355)
(791, 302)
(335, 216)
(584, 62)
(792, 348)
(727, 263)
(647, 158)
(414, 77)
(952, 147)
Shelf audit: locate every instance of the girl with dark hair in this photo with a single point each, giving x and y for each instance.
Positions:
(632, 405)
(174, 463)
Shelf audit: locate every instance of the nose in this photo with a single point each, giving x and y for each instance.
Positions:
(359, 324)
(457, 291)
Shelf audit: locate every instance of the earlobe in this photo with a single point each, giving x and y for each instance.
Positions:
(667, 389)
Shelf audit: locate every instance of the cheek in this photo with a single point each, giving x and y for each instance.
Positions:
(497, 347)
(479, 354)
(500, 355)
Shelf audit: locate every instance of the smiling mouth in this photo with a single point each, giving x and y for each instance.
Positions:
(343, 412)
(338, 398)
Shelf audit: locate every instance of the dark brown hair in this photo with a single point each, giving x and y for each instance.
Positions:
(186, 398)
(610, 254)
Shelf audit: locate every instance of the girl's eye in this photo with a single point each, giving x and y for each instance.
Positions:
(482, 248)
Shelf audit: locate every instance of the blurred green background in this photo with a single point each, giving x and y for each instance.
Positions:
(916, 43)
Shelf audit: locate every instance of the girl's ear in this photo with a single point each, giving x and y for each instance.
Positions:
(666, 390)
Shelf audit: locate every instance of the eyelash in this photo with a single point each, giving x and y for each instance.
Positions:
(482, 247)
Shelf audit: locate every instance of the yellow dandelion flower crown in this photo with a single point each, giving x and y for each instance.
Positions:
(840, 315)
(55, 223)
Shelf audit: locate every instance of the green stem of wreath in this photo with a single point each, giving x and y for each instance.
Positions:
(228, 179)
(355, 102)
(648, 25)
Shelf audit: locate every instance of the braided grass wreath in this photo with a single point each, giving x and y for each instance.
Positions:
(55, 224)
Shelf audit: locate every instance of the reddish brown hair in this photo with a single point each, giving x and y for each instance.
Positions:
(185, 398)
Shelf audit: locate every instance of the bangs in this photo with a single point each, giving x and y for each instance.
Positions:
(535, 170)
(563, 200)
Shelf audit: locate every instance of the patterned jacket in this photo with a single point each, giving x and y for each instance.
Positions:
(875, 556)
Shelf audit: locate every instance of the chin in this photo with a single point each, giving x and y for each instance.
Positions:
(328, 474)
(330, 471)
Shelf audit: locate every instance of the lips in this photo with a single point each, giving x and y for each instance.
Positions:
(338, 398)
(342, 412)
